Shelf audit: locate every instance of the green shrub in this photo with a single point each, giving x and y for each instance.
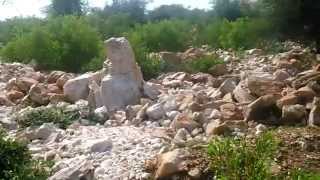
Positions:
(211, 33)
(244, 33)
(18, 50)
(202, 64)
(239, 159)
(41, 115)
(298, 174)
(16, 162)
(167, 35)
(151, 66)
(114, 25)
(17, 27)
(66, 43)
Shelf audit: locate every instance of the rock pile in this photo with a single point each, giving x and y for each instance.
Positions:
(141, 120)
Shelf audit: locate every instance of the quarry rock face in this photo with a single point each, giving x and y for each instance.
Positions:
(123, 84)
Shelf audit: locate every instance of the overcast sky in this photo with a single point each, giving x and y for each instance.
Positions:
(33, 7)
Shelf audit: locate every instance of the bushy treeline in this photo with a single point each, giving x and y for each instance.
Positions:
(71, 36)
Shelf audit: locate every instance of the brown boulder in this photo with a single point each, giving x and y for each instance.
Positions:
(218, 70)
(201, 78)
(171, 163)
(305, 78)
(38, 94)
(231, 111)
(216, 127)
(63, 79)
(4, 101)
(54, 76)
(53, 88)
(300, 96)
(24, 83)
(263, 110)
(263, 86)
(14, 95)
(184, 121)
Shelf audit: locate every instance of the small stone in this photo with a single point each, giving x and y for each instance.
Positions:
(155, 112)
(171, 163)
(172, 114)
(195, 173)
(216, 127)
(184, 121)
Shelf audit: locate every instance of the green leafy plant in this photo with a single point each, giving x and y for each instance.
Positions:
(151, 66)
(240, 159)
(16, 162)
(297, 174)
(41, 115)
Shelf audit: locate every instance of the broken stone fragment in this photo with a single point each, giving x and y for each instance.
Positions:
(264, 110)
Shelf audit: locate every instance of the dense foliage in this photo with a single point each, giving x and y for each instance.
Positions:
(67, 43)
(16, 162)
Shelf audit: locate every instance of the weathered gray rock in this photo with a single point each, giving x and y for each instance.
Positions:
(181, 137)
(101, 113)
(8, 123)
(81, 170)
(99, 146)
(123, 84)
(150, 90)
(226, 87)
(94, 97)
(77, 88)
(44, 131)
(156, 111)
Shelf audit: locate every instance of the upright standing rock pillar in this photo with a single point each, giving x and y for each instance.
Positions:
(123, 83)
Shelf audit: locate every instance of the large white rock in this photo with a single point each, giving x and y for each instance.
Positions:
(77, 88)
(124, 83)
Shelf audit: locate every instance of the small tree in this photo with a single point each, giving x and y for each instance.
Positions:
(66, 7)
(229, 9)
(134, 8)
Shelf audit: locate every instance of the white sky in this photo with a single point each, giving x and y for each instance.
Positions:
(33, 7)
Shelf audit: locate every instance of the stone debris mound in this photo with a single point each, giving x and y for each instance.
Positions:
(136, 121)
